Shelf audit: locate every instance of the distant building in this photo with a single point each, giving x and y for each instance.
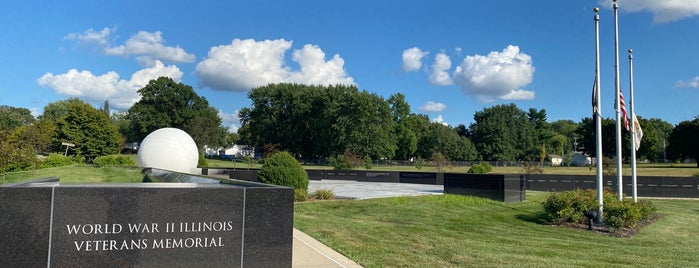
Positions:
(236, 151)
(578, 159)
(556, 160)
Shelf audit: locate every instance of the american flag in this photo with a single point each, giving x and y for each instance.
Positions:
(623, 110)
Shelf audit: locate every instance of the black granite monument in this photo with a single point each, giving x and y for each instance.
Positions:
(209, 223)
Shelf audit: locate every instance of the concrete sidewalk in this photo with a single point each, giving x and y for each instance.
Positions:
(365, 190)
(309, 253)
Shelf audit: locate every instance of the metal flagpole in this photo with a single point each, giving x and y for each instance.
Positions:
(617, 87)
(633, 130)
(597, 118)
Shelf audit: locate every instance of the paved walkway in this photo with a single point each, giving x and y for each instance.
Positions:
(364, 190)
(309, 253)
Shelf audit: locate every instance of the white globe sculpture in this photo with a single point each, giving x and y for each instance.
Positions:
(168, 149)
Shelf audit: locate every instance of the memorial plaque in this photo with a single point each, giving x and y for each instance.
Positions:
(147, 224)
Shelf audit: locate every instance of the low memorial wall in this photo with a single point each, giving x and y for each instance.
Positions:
(192, 222)
(647, 186)
(681, 187)
(505, 188)
(431, 178)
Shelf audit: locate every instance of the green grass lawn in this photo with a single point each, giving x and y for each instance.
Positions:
(459, 231)
(80, 174)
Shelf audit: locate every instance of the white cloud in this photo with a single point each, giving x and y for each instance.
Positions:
(150, 45)
(691, 83)
(498, 75)
(412, 59)
(120, 93)
(519, 95)
(230, 120)
(91, 36)
(440, 120)
(663, 10)
(245, 64)
(315, 70)
(147, 46)
(433, 107)
(439, 75)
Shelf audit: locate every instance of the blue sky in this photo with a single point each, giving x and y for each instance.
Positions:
(449, 58)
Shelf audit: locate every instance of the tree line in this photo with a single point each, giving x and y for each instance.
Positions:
(314, 122)
(321, 122)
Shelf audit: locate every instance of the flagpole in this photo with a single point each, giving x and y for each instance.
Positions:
(597, 119)
(617, 87)
(633, 130)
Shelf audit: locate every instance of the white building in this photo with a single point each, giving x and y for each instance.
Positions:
(556, 160)
(236, 151)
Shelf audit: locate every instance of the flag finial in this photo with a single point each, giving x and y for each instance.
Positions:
(596, 9)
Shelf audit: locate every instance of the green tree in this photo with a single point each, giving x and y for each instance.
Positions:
(56, 110)
(296, 117)
(105, 108)
(568, 130)
(16, 154)
(319, 121)
(663, 130)
(539, 121)
(683, 140)
(422, 127)
(504, 133)
(165, 103)
(12, 117)
(462, 131)
(89, 129)
(364, 125)
(586, 131)
(542, 153)
(38, 135)
(649, 142)
(559, 143)
(565, 127)
(406, 139)
(446, 141)
(440, 162)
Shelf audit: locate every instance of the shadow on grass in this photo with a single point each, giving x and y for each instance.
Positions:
(669, 166)
(538, 218)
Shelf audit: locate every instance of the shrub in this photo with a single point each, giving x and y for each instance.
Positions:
(531, 168)
(114, 160)
(300, 195)
(339, 163)
(419, 162)
(481, 168)
(366, 162)
(323, 194)
(59, 160)
(283, 169)
(626, 213)
(569, 206)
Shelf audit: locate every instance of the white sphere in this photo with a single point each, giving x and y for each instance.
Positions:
(168, 149)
